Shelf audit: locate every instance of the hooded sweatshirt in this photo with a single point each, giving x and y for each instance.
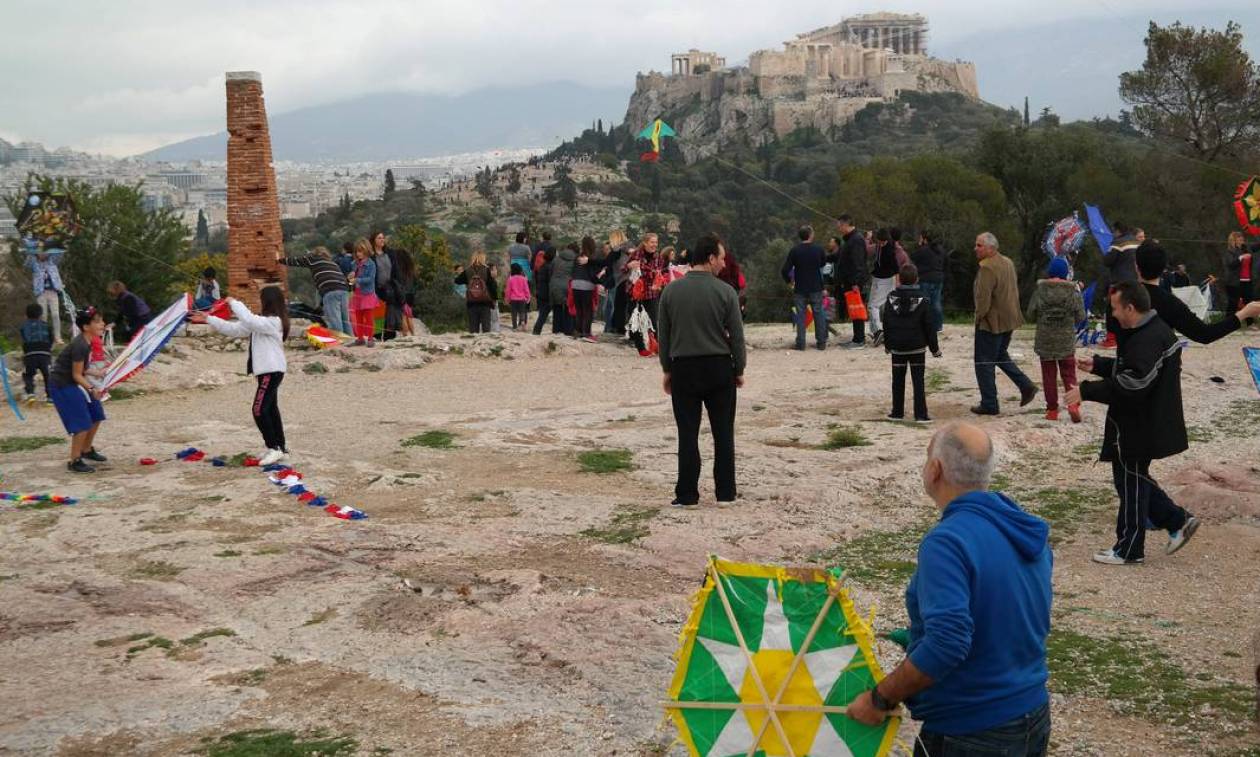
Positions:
(979, 606)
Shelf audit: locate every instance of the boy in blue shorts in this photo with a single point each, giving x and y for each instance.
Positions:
(77, 401)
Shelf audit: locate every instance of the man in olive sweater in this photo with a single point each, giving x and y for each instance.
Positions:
(701, 338)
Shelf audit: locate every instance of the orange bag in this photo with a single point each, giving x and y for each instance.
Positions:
(853, 301)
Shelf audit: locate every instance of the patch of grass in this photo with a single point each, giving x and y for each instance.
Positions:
(843, 437)
(228, 553)
(326, 614)
(120, 393)
(1137, 678)
(200, 637)
(432, 440)
(605, 460)
(271, 549)
(118, 641)
(758, 408)
(552, 347)
(314, 368)
(1066, 510)
(1090, 450)
(27, 443)
(150, 641)
(628, 419)
(885, 557)
(157, 570)
(496, 350)
(280, 659)
(1198, 434)
(266, 742)
(9, 577)
(937, 379)
(627, 525)
(1239, 420)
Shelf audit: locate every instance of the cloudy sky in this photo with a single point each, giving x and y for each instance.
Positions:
(130, 75)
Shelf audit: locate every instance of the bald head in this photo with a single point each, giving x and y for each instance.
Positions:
(965, 454)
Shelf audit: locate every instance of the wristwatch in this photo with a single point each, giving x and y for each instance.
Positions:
(880, 703)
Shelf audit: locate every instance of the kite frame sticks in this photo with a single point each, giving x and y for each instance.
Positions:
(772, 706)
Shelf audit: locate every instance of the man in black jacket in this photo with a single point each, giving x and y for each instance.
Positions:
(1141, 387)
(852, 272)
(803, 270)
(1151, 261)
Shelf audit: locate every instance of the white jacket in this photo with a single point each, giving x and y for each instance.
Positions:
(266, 337)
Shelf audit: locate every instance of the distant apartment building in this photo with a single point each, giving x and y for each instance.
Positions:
(183, 179)
(8, 224)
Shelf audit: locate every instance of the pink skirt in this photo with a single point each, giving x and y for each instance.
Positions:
(364, 301)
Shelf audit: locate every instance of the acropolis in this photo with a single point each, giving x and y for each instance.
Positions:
(821, 78)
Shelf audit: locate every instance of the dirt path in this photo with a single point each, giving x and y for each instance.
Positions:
(501, 601)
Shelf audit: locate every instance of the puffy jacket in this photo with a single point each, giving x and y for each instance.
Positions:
(907, 321)
(1141, 387)
(561, 273)
(1120, 260)
(1056, 307)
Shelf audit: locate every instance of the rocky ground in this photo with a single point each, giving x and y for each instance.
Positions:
(500, 600)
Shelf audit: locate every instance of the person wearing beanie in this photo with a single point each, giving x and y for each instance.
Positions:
(1151, 261)
(1056, 307)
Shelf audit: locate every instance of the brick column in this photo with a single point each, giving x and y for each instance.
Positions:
(253, 211)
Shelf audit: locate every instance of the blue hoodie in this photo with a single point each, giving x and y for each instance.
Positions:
(979, 608)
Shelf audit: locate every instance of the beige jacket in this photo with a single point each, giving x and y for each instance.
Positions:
(997, 296)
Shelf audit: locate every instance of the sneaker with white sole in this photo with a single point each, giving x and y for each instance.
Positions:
(1178, 539)
(272, 457)
(1109, 557)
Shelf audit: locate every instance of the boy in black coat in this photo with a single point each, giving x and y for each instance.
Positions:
(908, 333)
(1141, 387)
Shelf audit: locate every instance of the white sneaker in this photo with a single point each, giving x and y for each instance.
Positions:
(1109, 557)
(272, 457)
(1178, 539)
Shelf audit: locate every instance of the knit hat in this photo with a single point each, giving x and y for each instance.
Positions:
(1058, 268)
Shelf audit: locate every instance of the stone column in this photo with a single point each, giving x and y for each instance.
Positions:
(253, 211)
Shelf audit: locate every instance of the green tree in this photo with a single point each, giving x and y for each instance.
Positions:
(119, 239)
(1197, 88)
(1027, 120)
(390, 187)
(564, 191)
(483, 180)
(514, 180)
(202, 236)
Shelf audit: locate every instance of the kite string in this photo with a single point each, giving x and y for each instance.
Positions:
(773, 188)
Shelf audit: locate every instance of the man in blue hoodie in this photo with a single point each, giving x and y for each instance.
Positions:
(979, 607)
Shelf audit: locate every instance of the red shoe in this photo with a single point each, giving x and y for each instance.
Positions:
(1075, 412)
(1052, 414)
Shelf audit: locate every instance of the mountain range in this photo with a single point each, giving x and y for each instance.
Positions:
(400, 125)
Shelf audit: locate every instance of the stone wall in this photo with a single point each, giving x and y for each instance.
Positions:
(253, 209)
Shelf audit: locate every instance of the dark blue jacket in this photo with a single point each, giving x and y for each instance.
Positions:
(979, 607)
(804, 263)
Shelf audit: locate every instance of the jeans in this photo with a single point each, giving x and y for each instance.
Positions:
(50, 301)
(584, 303)
(266, 410)
(337, 311)
(1141, 500)
(814, 300)
(880, 289)
(917, 365)
(934, 291)
(709, 383)
(1024, 736)
(991, 353)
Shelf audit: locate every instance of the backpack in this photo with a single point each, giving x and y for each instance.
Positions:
(477, 290)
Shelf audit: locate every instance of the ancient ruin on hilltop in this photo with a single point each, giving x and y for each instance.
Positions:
(821, 79)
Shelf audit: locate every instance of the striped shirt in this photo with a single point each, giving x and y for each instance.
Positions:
(327, 274)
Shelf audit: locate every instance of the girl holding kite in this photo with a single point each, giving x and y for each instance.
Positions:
(267, 363)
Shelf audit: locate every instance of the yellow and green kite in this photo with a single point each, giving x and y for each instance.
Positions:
(655, 131)
(770, 657)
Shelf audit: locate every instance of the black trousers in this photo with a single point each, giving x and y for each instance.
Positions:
(520, 313)
(32, 364)
(267, 410)
(621, 302)
(1141, 499)
(708, 383)
(479, 315)
(561, 321)
(544, 310)
(842, 312)
(584, 304)
(917, 365)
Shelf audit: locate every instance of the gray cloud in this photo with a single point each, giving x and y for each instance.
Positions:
(133, 74)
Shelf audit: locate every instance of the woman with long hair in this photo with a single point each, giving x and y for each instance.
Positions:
(363, 300)
(266, 333)
(585, 283)
(387, 288)
(481, 293)
(405, 276)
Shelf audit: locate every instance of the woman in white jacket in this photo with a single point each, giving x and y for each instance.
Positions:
(266, 333)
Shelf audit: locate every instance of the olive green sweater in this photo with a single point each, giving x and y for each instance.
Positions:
(698, 316)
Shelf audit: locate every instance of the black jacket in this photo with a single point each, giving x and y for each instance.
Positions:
(1141, 387)
(907, 322)
(804, 265)
(1175, 313)
(542, 281)
(930, 260)
(851, 268)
